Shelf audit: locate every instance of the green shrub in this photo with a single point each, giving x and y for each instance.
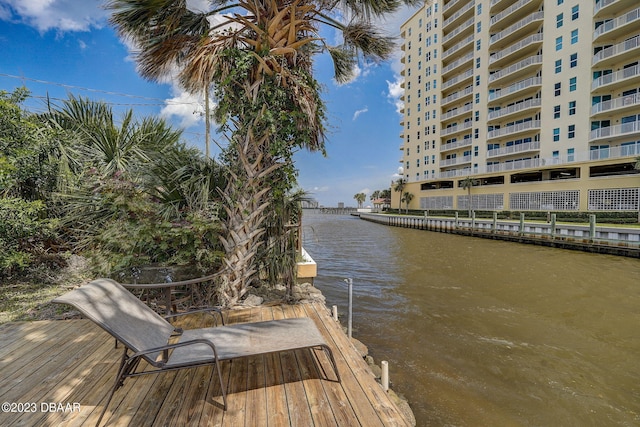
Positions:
(26, 234)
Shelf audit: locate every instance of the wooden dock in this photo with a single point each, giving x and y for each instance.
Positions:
(73, 363)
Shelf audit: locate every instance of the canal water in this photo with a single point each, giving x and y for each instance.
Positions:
(480, 332)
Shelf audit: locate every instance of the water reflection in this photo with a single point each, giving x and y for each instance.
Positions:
(483, 332)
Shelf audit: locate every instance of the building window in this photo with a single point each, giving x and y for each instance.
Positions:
(573, 84)
(556, 89)
(478, 44)
(574, 36)
(477, 98)
(477, 80)
(555, 154)
(559, 20)
(556, 134)
(477, 115)
(478, 27)
(477, 62)
(556, 112)
(572, 108)
(571, 132)
(558, 43)
(570, 154)
(574, 60)
(575, 12)
(560, 2)
(558, 66)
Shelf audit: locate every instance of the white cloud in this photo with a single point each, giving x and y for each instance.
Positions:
(185, 107)
(359, 112)
(59, 15)
(395, 91)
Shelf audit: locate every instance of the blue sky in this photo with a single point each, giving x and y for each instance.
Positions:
(57, 47)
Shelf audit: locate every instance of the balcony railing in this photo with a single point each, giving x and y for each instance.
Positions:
(458, 62)
(498, 17)
(456, 111)
(456, 47)
(533, 38)
(524, 84)
(456, 95)
(453, 129)
(616, 49)
(458, 78)
(460, 28)
(514, 149)
(629, 17)
(616, 77)
(615, 131)
(538, 16)
(537, 59)
(455, 145)
(513, 129)
(455, 161)
(459, 13)
(530, 103)
(616, 103)
(602, 3)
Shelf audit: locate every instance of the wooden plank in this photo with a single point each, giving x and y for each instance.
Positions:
(350, 372)
(384, 408)
(47, 362)
(276, 397)
(297, 404)
(256, 400)
(318, 401)
(32, 347)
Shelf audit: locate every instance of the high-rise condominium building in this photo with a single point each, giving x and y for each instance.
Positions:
(534, 102)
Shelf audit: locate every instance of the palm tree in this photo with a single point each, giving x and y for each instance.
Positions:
(399, 187)
(259, 59)
(407, 198)
(360, 198)
(466, 184)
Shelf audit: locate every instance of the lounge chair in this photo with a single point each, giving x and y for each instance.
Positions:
(146, 335)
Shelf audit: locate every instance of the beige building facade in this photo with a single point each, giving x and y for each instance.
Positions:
(536, 103)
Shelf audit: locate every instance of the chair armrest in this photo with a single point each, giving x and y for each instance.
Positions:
(167, 347)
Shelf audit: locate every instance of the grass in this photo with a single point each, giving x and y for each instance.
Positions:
(29, 297)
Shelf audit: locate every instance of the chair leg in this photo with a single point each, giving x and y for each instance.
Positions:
(224, 393)
(116, 385)
(333, 361)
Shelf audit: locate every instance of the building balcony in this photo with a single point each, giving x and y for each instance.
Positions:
(516, 90)
(624, 76)
(461, 94)
(519, 149)
(515, 129)
(616, 105)
(627, 23)
(456, 129)
(452, 36)
(525, 46)
(516, 70)
(615, 132)
(456, 145)
(451, 7)
(519, 108)
(618, 52)
(455, 161)
(455, 48)
(456, 112)
(524, 26)
(457, 64)
(610, 7)
(459, 79)
(511, 14)
(464, 11)
(497, 5)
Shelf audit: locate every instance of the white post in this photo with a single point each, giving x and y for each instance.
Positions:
(350, 317)
(334, 311)
(384, 377)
